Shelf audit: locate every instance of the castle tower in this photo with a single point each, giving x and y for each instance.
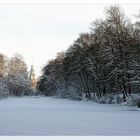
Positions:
(32, 78)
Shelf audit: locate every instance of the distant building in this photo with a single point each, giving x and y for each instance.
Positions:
(32, 78)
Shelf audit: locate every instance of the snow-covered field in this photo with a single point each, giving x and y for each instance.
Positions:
(50, 116)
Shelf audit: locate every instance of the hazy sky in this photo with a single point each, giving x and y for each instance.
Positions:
(38, 32)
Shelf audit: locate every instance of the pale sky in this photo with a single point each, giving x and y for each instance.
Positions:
(39, 32)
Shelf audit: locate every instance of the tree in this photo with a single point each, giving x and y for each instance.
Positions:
(3, 65)
(17, 75)
(102, 62)
(4, 91)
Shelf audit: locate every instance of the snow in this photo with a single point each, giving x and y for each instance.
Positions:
(53, 116)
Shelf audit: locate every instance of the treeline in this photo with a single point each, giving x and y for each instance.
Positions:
(103, 62)
(13, 76)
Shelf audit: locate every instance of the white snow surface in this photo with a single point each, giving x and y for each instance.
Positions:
(46, 116)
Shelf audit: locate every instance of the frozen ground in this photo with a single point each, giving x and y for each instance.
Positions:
(50, 116)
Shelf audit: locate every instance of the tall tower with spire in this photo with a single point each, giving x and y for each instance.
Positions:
(32, 78)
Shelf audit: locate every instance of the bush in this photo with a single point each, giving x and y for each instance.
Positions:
(4, 91)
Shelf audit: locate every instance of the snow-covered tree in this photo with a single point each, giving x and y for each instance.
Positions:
(3, 65)
(101, 62)
(4, 91)
(17, 75)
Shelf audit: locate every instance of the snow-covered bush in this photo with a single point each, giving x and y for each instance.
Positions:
(70, 93)
(138, 103)
(111, 99)
(4, 91)
(18, 84)
(133, 100)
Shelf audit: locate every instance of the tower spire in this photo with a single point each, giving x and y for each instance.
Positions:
(32, 78)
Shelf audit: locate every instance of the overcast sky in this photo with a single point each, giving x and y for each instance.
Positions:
(39, 32)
